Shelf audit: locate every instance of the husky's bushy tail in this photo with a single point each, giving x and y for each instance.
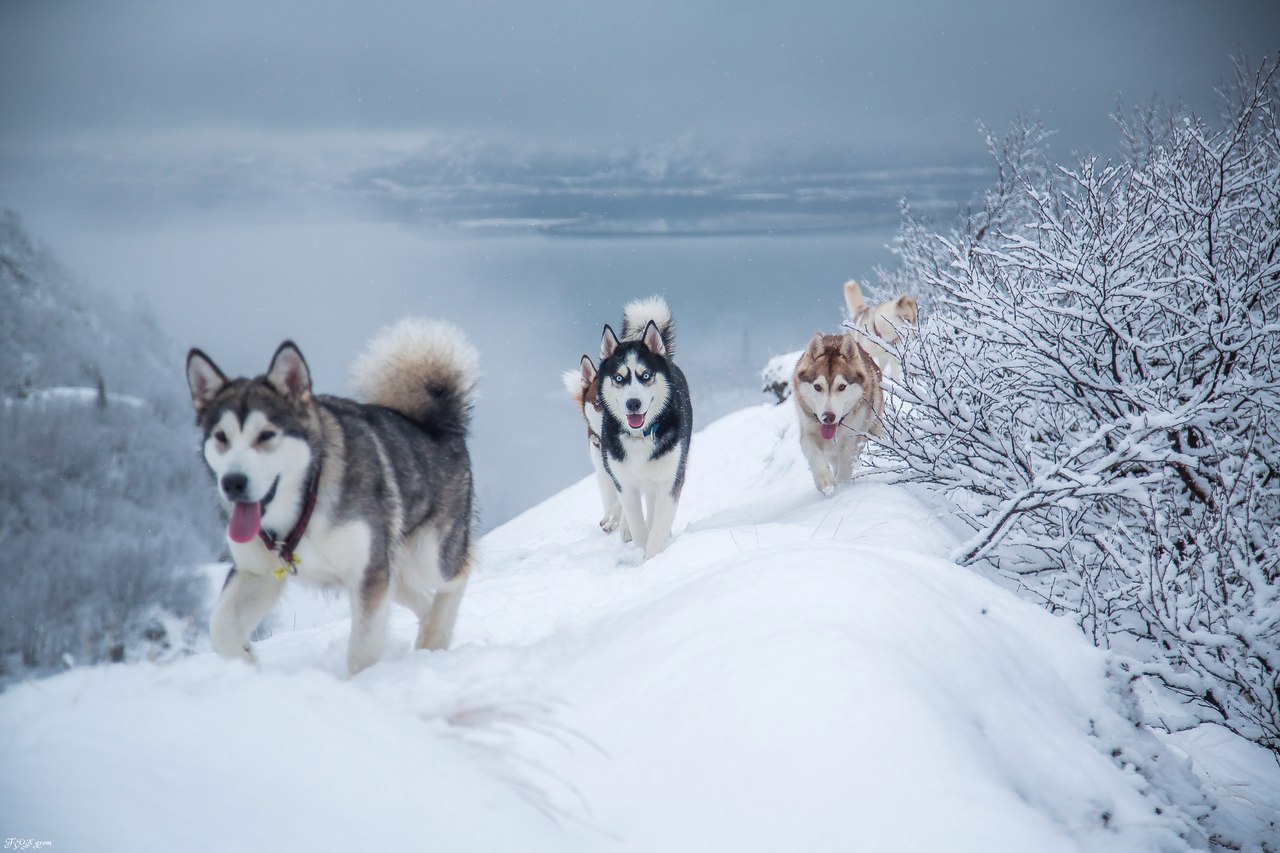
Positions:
(573, 384)
(853, 298)
(424, 369)
(637, 314)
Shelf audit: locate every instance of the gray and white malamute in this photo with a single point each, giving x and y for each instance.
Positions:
(647, 421)
(375, 496)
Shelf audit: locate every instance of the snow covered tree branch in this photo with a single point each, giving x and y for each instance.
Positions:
(1097, 389)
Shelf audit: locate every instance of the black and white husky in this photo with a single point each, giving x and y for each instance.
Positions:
(647, 421)
(375, 497)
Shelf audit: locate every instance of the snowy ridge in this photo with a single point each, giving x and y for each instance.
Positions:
(792, 673)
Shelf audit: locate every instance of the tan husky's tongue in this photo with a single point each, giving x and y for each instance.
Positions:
(828, 430)
(246, 518)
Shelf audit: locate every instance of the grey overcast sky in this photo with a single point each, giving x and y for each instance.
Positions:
(889, 79)
(260, 170)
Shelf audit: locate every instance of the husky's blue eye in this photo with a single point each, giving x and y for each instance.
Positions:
(617, 377)
(646, 376)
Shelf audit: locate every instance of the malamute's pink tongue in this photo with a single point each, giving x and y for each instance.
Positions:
(246, 518)
(635, 421)
(828, 430)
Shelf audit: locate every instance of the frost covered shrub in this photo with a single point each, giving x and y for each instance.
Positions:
(106, 515)
(1098, 388)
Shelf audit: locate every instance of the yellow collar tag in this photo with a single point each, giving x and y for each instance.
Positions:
(288, 565)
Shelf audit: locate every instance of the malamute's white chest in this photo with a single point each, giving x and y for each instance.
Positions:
(327, 555)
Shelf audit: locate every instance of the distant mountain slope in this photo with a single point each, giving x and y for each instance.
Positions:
(104, 509)
(792, 673)
(57, 331)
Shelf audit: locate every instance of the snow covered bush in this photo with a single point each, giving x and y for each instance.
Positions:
(1099, 390)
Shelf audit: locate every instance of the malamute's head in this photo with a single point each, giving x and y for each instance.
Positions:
(832, 377)
(257, 439)
(634, 387)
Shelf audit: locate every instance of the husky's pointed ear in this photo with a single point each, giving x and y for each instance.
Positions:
(849, 347)
(608, 343)
(289, 372)
(815, 346)
(653, 339)
(204, 378)
(588, 371)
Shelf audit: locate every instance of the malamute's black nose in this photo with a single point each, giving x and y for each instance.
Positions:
(235, 486)
(633, 405)
(828, 417)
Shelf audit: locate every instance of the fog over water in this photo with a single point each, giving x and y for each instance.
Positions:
(532, 303)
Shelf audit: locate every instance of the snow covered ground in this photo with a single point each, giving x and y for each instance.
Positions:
(793, 673)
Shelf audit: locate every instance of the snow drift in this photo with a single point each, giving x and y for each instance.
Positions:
(793, 672)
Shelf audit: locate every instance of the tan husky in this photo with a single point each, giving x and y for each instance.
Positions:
(836, 386)
(882, 327)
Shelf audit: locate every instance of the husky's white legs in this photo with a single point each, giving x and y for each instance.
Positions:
(633, 516)
(245, 600)
(436, 628)
(608, 495)
(818, 465)
(849, 452)
(662, 514)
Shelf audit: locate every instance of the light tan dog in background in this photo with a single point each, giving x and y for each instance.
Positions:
(836, 387)
(883, 327)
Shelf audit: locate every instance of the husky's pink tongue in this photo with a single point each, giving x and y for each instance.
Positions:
(246, 518)
(635, 421)
(828, 430)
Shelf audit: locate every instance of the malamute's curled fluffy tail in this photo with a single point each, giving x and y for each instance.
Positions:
(636, 316)
(424, 369)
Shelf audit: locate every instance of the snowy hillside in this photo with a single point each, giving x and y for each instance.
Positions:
(105, 511)
(793, 673)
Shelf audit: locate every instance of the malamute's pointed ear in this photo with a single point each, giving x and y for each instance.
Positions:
(289, 373)
(588, 371)
(608, 343)
(653, 339)
(815, 346)
(204, 378)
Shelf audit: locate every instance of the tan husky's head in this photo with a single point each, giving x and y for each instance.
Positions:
(832, 377)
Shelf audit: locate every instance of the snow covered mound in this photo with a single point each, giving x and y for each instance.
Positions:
(792, 673)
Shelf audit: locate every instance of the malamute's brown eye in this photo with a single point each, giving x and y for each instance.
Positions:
(220, 437)
(817, 386)
(266, 435)
(841, 387)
